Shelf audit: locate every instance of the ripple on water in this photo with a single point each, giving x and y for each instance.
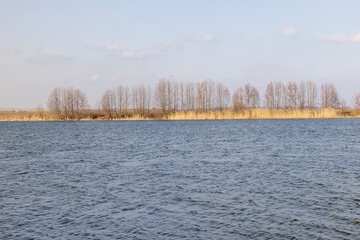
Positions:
(279, 179)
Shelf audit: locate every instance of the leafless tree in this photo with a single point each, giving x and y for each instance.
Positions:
(357, 101)
(108, 102)
(238, 100)
(149, 97)
(285, 96)
(162, 98)
(278, 95)
(302, 95)
(247, 95)
(329, 96)
(251, 96)
(80, 103)
(141, 101)
(182, 96)
(222, 96)
(190, 98)
(255, 98)
(205, 95)
(67, 103)
(120, 97)
(292, 92)
(270, 96)
(135, 99)
(311, 93)
(127, 99)
(123, 99)
(175, 95)
(210, 94)
(55, 102)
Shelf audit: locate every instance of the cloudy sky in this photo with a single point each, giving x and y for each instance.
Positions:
(95, 45)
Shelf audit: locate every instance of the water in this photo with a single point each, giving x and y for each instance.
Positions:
(256, 179)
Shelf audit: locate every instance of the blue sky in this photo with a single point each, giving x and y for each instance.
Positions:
(94, 45)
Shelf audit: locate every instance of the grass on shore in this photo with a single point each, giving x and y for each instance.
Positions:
(93, 115)
(267, 114)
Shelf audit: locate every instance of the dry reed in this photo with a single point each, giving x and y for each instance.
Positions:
(93, 115)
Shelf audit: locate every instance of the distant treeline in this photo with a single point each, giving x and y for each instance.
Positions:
(169, 97)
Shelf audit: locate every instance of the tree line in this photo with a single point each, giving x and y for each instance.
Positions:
(169, 96)
(67, 103)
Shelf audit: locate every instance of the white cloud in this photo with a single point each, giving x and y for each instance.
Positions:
(191, 37)
(341, 38)
(288, 31)
(124, 52)
(356, 37)
(121, 51)
(206, 38)
(114, 48)
(95, 78)
(160, 47)
(334, 38)
(132, 54)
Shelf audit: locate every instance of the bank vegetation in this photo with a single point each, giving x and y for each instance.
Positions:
(172, 100)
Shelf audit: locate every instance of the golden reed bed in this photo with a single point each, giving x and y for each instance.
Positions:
(266, 114)
(33, 115)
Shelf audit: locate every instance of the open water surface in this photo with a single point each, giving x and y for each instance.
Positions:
(256, 179)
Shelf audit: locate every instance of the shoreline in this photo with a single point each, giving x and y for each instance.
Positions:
(249, 114)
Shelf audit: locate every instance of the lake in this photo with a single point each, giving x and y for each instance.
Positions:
(226, 179)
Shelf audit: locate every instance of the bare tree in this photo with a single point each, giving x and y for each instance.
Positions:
(251, 96)
(329, 96)
(149, 97)
(127, 99)
(135, 99)
(222, 96)
(141, 99)
(182, 96)
(205, 95)
(247, 95)
(285, 96)
(170, 95)
(80, 103)
(255, 99)
(357, 101)
(161, 95)
(108, 102)
(278, 95)
(55, 102)
(68, 103)
(270, 96)
(238, 100)
(175, 95)
(120, 97)
(312, 93)
(292, 92)
(190, 96)
(210, 94)
(302, 95)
